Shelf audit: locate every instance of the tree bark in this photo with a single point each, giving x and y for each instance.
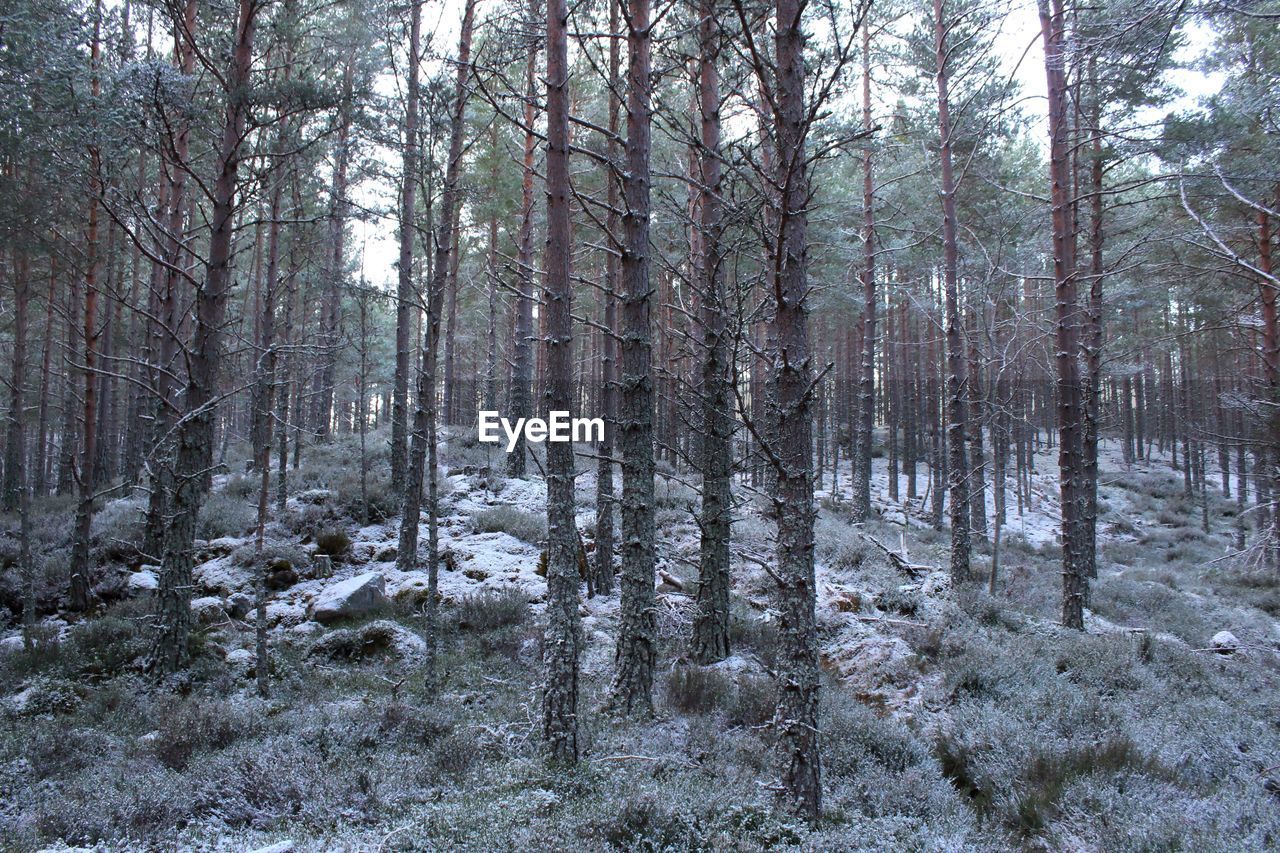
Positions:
(711, 624)
(405, 298)
(15, 439)
(86, 479)
(631, 692)
(40, 465)
(561, 642)
(422, 448)
(519, 402)
(169, 331)
(957, 384)
(867, 377)
(796, 715)
(1093, 341)
(335, 260)
(605, 501)
(195, 431)
(1069, 414)
(1271, 372)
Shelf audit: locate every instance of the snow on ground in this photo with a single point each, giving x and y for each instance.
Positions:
(858, 640)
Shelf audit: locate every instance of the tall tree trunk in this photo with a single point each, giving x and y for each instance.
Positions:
(605, 501)
(86, 479)
(560, 646)
(520, 402)
(170, 332)
(286, 383)
(1093, 340)
(978, 408)
(633, 680)
(195, 431)
(40, 464)
(406, 300)
(867, 377)
(422, 448)
(452, 397)
(1070, 409)
(493, 289)
(335, 260)
(15, 438)
(263, 398)
(796, 716)
(1271, 371)
(957, 385)
(711, 625)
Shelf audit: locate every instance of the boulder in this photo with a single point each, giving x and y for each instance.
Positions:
(143, 580)
(285, 613)
(215, 548)
(239, 605)
(376, 639)
(242, 662)
(361, 594)
(207, 610)
(221, 576)
(1225, 643)
(45, 696)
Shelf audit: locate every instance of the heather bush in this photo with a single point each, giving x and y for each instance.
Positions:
(222, 515)
(527, 526)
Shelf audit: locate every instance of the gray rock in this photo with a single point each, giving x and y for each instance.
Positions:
(143, 580)
(242, 662)
(364, 593)
(207, 610)
(375, 639)
(1225, 643)
(239, 605)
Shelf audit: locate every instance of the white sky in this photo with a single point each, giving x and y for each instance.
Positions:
(1019, 45)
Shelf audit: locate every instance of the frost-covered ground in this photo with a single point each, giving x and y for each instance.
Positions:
(952, 719)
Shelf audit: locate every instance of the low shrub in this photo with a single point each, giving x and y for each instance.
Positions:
(382, 502)
(274, 553)
(753, 635)
(193, 725)
(379, 639)
(242, 486)
(672, 494)
(222, 515)
(839, 546)
(333, 542)
(458, 752)
(1047, 775)
(753, 701)
(894, 600)
(104, 647)
(489, 610)
(525, 526)
(117, 528)
(694, 689)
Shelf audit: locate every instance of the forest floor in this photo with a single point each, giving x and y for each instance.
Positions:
(952, 719)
